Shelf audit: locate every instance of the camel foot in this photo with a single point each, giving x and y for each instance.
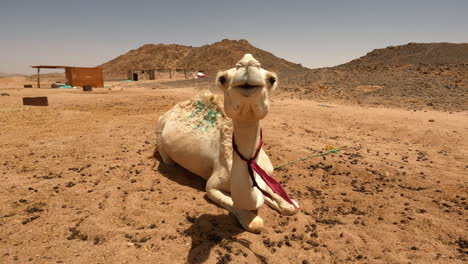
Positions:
(250, 221)
(288, 209)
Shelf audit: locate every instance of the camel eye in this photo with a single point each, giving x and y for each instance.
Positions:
(222, 80)
(272, 80)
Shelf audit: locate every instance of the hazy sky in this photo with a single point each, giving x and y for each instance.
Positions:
(314, 33)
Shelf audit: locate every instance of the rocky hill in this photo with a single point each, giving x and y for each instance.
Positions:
(415, 53)
(414, 76)
(209, 58)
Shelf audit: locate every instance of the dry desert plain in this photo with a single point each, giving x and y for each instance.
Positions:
(79, 183)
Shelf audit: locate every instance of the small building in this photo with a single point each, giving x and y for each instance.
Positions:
(153, 74)
(76, 76)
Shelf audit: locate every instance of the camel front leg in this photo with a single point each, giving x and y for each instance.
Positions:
(249, 220)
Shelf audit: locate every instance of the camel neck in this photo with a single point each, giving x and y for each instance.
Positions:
(247, 136)
(243, 193)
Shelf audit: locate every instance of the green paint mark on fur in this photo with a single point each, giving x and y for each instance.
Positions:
(212, 120)
(207, 117)
(210, 117)
(200, 107)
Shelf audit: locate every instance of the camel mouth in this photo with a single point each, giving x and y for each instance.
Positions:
(248, 86)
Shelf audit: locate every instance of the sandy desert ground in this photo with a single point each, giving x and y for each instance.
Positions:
(79, 184)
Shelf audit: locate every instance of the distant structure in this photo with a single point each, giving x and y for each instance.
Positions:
(76, 76)
(200, 74)
(150, 74)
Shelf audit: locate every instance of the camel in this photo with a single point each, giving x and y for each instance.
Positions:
(219, 138)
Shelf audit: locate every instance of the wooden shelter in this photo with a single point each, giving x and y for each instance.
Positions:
(76, 76)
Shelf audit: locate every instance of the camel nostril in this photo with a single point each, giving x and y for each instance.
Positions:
(272, 80)
(222, 80)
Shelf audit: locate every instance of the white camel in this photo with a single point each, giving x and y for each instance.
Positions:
(199, 136)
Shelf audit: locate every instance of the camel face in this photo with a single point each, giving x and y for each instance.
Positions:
(246, 89)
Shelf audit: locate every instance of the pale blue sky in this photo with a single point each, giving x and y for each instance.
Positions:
(314, 33)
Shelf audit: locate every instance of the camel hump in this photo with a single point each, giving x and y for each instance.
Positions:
(206, 110)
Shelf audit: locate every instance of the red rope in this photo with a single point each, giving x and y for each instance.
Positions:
(253, 166)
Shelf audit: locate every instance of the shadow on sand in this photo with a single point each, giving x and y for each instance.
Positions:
(207, 230)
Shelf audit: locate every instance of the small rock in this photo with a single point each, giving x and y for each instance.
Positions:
(96, 241)
(34, 210)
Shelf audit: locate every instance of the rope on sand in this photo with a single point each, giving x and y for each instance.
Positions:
(335, 150)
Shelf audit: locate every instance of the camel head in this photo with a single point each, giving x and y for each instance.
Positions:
(246, 89)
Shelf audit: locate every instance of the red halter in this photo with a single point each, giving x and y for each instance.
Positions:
(253, 166)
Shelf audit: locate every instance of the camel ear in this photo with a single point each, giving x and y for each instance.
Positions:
(222, 80)
(271, 80)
